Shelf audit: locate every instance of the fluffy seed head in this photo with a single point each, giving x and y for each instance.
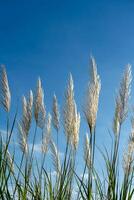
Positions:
(22, 139)
(116, 123)
(27, 113)
(71, 117)
(30, 106)
(55, 114)
(121, 107)
(92, 99)
(46, 135)
(128, 156)
(24, 121)
(41, 116)
(94, 76)
(75, 127)
(24, 105)
(68, 111)
(55, 156)
(30, 102)
(39, 107)
(131, 138)
(5, 91)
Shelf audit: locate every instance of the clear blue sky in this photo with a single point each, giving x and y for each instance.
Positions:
(52, 38)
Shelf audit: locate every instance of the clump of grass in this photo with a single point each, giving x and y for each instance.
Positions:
(30, 178)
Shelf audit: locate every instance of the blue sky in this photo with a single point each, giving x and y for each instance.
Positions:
(50, 39)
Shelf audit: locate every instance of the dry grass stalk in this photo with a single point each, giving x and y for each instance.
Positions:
(124, 92)
(30, 102)
(129, 154)
(23, 140)
(122, 99)
(25, 123)
(116, 123)
(46, 135)
(128, 158)
(131, 138)
(68, 112)
(39, 107)
(87, 152)
(27, 113)
(75, 127)
(71, 117)
(91, 106)
(55, 114)
(5, 91)
(55, 156)
(30, 107)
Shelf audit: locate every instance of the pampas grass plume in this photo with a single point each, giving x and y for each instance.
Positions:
(5, 91)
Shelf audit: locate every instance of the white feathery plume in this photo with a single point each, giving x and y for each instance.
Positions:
(24, 105)
(27, 113)
(37, 99)
(121, 108)
(55, 114)
(5, 91)
(75, 127)
(68, 111)
(91, 105)
(94, 76)
(131, 138)
(124, 92)
(116, 123)
(128, 156)
(30, 106)
(39, 107)
(41, 116)
(23, 139)
(24, 121)
(30, 101)
(55, 156)
(46, 135)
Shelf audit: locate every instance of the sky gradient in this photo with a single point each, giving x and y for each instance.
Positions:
(50, 39)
